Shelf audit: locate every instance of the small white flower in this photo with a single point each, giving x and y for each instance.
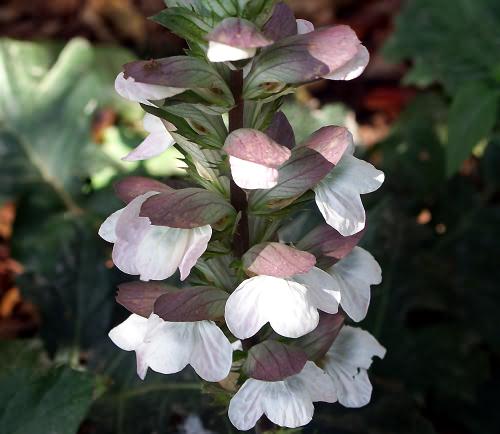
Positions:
(355, 274)
(338, 194)
(143, 93)
(156, 143)
(168, 347)
(287, 403)
(152, 252)
(347, 363)
(218, 52)
(289, 305)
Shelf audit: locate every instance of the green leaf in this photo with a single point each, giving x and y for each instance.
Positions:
(452, 42)
(184, 23)
(48, 98)
(471, 119)
(35, 398)
(66, 277)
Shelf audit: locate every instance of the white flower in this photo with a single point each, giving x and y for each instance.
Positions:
(143, 93)
(355, 274)
(252, 176)
(218, 52)
(289, 305)
(287, 403)
(152, 252)
(338, 194)
(157, 142)
(168, 347)
(347, 363)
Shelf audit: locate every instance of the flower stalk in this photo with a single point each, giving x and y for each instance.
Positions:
(281, 297)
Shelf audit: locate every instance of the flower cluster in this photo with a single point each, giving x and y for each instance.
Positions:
(252, 271)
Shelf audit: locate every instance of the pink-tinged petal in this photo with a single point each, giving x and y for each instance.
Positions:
(304, 26)
(282, 303)
(334, 46)
(130, 226)
(237, 32)
(255, 146)
(322, 290)
(277, 260)
(197, 244)
(355, 274)
(245, 408)
(252, 176)
(107, 231)
(288, 404)
(143, 93)
(123, 256)
(218, 52)
(129, 334)
(212, 355)
(318, 383)
(338, 195)
(352, 69)
(157, 142)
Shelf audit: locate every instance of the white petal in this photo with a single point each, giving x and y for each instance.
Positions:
(130, 333)
(143, 93)
(212, 355)
(352, 69)
(157, 142)
(160, 252)
(353, 386)
(196, 246)
(168, 347)
(355, 273)
(323, 290)
(253, 176)
(347, 363)
(245, 408)
(356, 347)
(218, 52)
(288, 404)
(107, 231)
(338, 195)
(317, 382)
(304, 26)
(282, 303)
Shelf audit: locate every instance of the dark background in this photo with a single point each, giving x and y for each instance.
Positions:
(429, 97)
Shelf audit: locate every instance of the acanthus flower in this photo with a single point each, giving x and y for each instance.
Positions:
(168, 347)
(152, 252)
(288, 403)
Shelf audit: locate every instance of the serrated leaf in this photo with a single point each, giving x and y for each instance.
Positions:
(472, 116)
(274, 361)
(192, 304)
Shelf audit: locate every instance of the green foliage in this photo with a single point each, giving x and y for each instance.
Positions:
(472, 117)
(456, 44)
(38, 397)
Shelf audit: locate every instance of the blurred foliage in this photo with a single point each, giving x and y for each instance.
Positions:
(455, 43)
